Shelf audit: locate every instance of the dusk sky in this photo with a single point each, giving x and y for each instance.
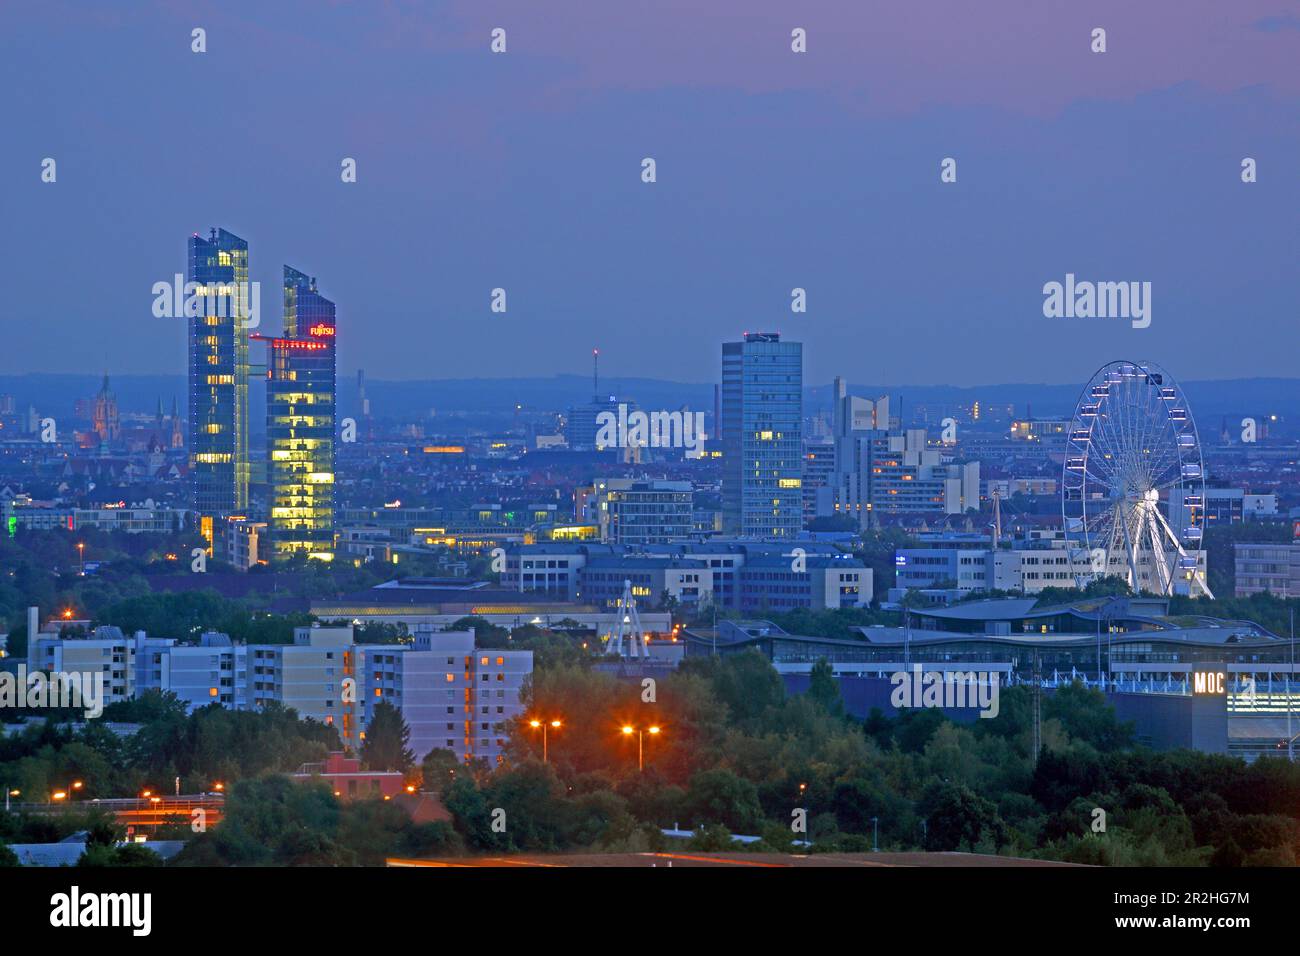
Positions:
(775, 170)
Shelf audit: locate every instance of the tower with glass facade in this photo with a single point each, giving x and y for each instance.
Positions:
(218, 378)
(761, 434)
(300, 422)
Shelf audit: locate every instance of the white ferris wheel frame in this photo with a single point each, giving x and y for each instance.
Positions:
(1132, 446)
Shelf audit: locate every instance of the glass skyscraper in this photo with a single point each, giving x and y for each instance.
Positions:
(300, 422)
(761, 434)
(218, 373)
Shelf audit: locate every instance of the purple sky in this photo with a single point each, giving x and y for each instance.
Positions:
(775, 170)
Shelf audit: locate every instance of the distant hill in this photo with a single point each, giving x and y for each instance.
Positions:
(1210, 400)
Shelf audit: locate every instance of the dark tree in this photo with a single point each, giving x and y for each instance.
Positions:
(387, 736)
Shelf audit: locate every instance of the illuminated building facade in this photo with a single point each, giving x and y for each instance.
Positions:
(218, 373)
(761, 430)
(300, 421)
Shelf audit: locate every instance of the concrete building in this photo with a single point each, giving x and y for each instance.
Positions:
(440, 603)
(212, 672)
(308, 676)
(1268, 566)
(818, 466)
(142, 518)
(452, 695)
(1004, 488)
(967, 562)
(247, 543)
(879, 470)
(632, 511)
(107, 651)
(550, 567)
(749, 575)
(817, 582)
(653, 579)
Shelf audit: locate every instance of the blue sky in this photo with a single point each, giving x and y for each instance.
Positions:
(775, 170)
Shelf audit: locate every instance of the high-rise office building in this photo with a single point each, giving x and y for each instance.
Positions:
(879, 469)
(636, 511)
(218, 372)
(761, 430)
(300, 419)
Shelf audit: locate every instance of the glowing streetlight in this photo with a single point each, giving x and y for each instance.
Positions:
(628, 731)
(546, 725)
(81, 554)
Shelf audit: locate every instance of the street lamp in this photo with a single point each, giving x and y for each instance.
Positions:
(81, 554)
(546, 725)
(11, 793)
(640, 742)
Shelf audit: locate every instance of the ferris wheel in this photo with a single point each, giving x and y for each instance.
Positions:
(1133, 482)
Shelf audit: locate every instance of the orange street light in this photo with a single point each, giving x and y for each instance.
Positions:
(653, 730)
(546, 726)
(77, 785)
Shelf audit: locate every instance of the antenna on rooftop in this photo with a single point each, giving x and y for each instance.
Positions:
(595, 375)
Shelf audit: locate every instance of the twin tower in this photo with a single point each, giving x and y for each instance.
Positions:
(301, 375)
